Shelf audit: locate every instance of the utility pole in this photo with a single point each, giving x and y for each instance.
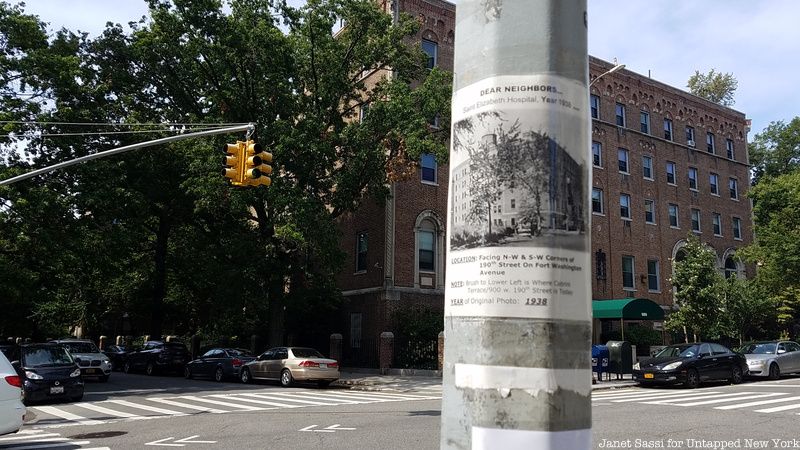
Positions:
(518, 298)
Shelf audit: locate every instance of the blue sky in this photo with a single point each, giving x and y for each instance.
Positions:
(756, 40)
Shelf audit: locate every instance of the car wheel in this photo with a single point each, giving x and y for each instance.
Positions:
(324, 384)
(187, 373)
(692, 379)
(127, 367)
(736, 375)
(244, 377)
(219, 375)
(286, 378)
(150, 369)
(774, 371)
(104, 378)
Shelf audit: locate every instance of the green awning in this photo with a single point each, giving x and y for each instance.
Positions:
(627, 308)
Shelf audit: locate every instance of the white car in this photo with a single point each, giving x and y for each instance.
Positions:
(12, 411)
(90, 359)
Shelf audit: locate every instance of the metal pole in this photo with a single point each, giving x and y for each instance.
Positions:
(127, 148)
(517, 370)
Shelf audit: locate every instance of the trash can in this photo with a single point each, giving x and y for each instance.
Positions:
(620, 358)
(599, 360)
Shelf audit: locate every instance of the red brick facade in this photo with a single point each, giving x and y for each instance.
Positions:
(392, 279)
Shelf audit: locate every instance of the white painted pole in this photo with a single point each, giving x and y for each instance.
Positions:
(518, 329)
(115, 151)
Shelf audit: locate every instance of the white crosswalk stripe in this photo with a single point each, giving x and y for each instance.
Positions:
(783, 401)
(35, 439)
(114, 410)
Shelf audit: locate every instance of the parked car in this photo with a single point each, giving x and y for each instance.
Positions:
(92, 362)
(48, 372)
(11, 351)
(219, 363)
(158, 356)
(690, 365)
(772, 358)
(12, 411)
(117, 354)
(290, 364)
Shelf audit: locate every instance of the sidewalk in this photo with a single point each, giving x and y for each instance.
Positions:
(428, 380)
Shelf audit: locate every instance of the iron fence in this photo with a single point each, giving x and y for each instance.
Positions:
(411, 353)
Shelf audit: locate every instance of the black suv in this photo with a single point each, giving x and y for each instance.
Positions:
(158, 356)
(48, 372)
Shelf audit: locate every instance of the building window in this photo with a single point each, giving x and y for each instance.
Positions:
(729, 149)
(627, 273)
(737, 228)
(653, 284)
(644, 122)
(650, 211)
(355, 330)
(361, 252)
(362, 112)
(733, 187)
(670, 172)
(667, 129)
(647, 167)
(622, 155)
(595, 105)
(717, 222)
(432, 50)
(620, 110)
(696, 220)
(597, 201)
(709, 142)
(731, 268)
(625, 206)
(690, 136)
(692, 178)
(600, 264)
(713, 181)
(513, 203)
(427, 250)
(597, 154)
(673, 215)
(428, 164)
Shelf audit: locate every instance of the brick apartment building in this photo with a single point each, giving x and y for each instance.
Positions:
(666, 163)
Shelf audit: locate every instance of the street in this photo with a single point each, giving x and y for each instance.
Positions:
(120, 415)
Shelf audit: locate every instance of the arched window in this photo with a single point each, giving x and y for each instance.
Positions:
(731, 268)
(429, 251)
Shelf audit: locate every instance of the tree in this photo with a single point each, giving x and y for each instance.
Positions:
(746, 313)
(713, 86)
(776, 250)
(697, 290)
(188, 248)
(776, 150)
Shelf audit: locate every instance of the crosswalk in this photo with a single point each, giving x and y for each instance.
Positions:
(754, 400)
(143, 408)
(37, 439)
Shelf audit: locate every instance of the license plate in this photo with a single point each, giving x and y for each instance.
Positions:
(649, 375)
(57, 390)
(323, 366)
(178, 360)
(91, 370)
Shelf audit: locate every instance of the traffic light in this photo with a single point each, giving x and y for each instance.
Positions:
(233, 167)
(256, 165)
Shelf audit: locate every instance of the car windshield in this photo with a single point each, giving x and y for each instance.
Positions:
(46, 356)
(80, 347)
(678, 351)
(763, 348)
(306, 353)
(238, 352)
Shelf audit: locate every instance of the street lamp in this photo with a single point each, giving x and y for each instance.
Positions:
(612, 70)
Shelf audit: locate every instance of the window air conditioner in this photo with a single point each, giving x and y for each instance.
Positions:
(690, 143)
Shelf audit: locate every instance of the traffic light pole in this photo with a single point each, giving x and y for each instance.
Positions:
(518, 297)
(249, 127)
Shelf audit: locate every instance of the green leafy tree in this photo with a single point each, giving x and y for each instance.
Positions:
(776, 250)
(713, 86)
(746, 313)
(776, 150)
(697, 285)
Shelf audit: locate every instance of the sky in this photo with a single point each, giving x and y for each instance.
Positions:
(758, 41)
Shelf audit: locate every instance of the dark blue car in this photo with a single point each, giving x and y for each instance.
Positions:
(218, 363)
(48, 373)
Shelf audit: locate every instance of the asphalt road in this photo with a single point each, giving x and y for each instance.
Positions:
(135, 411)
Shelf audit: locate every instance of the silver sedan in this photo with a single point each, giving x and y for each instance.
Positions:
(290, 364)
(772, 358)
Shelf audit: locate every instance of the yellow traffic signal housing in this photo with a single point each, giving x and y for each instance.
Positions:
(256, 165)
(233, 167)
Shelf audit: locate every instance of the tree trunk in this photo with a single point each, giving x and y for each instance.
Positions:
(160, 276)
